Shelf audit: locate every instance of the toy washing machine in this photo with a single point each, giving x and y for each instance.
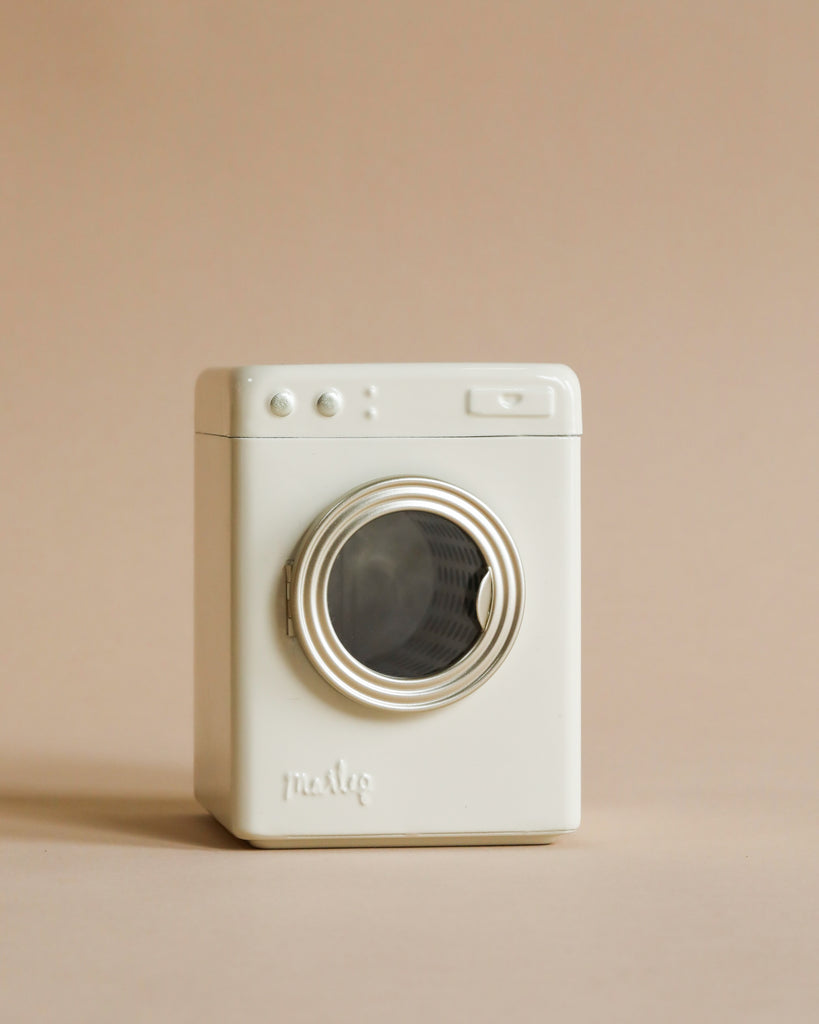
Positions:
(387, 603)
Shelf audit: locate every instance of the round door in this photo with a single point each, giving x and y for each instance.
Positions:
(407, 594)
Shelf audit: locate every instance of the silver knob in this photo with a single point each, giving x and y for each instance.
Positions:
(329, 403)
(283, 403)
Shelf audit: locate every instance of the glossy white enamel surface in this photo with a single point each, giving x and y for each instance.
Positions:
(298, 762)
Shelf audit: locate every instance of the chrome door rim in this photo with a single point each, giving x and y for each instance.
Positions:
(316, 556)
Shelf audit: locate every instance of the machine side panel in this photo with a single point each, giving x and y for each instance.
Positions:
(212, 626)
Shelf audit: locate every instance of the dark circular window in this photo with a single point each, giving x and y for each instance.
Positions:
(403, 594)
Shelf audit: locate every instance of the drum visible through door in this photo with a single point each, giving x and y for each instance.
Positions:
(406, 594)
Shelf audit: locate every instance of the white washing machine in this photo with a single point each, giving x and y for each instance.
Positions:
(387, 603)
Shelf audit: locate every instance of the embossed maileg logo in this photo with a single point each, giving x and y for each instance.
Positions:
(337, 781)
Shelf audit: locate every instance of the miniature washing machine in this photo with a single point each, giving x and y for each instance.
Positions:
(387, 609)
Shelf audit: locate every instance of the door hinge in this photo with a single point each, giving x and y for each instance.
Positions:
(288, 576)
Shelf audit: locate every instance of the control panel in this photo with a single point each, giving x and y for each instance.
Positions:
(395, 400)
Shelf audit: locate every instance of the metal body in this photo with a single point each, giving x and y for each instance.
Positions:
(316, 634)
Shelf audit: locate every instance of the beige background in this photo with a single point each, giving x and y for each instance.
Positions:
(629, 187)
